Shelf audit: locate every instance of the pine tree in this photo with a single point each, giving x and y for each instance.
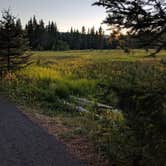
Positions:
(144, 19)
(92, 38)
(29, 30)
(32, 29)
(41, 35)
(13, 44)
(71, 30)
(83, 30)
(83, 38)
(100, 38)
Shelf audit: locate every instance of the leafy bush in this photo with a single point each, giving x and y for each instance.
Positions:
(141, 93)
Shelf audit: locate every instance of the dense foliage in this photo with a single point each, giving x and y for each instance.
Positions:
(47, 37)
(141, 95)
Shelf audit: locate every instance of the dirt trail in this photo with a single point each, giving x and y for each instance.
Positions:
(23, 143)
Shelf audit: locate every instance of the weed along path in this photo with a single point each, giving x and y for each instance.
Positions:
(23, 143)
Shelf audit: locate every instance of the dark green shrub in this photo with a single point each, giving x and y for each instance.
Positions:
(141, 93)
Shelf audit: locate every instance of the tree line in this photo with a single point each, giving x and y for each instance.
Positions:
(41, 36)
(48, 37)
(16, 41)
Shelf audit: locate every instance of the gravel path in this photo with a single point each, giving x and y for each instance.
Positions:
(23, 143)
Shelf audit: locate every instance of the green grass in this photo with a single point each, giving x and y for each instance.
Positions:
(55, 76)
(50, 57)
(84, 63)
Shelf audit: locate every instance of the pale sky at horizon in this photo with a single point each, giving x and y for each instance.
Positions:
(66, 13)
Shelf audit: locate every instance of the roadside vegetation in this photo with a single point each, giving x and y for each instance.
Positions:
(114, 99)
(133, 85)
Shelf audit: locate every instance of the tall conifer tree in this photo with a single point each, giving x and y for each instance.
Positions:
(13, 44)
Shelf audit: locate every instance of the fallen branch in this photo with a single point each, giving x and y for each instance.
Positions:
(85, 102)
(77, 108)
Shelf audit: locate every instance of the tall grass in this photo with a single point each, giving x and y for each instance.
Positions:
(55, 76)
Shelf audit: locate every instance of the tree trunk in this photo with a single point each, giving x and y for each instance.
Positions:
(8, 59)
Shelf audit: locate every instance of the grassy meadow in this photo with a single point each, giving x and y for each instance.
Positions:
(75, 73)
(54, 77)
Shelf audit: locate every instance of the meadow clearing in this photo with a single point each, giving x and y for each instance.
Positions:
(78, 73)
(54, 77)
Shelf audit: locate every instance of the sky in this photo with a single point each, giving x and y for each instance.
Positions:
(66, 13)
